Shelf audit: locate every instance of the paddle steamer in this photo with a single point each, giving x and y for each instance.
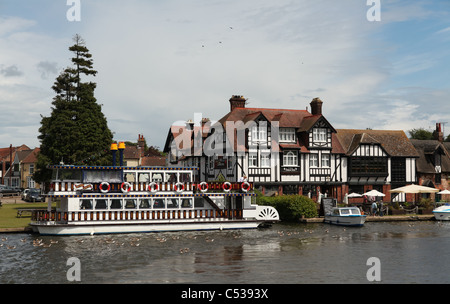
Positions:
(119, 199)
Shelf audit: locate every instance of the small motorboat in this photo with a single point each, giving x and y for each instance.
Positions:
(345, 216)
(442, 213)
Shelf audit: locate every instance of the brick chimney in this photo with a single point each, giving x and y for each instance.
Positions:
(438, 134)
(141, 145)
(237, 101)
(316, 106)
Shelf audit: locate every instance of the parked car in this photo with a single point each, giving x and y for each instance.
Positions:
(34, 195)
(24, 194)
(5, 190)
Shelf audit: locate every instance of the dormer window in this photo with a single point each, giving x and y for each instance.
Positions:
(259, 133)
(287, 135)
(320, 135)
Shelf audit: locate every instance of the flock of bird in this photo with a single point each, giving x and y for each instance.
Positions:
(161, 238)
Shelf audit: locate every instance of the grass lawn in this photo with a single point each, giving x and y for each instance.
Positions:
(8, 214)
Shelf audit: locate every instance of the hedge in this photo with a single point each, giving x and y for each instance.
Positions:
(290, 207)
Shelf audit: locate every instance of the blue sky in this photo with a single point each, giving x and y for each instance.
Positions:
(159, 62)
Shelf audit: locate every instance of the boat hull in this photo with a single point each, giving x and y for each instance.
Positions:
(441, 215)
(349, 220)
(93, 229)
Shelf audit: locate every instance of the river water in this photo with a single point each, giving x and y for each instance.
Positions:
(408, 252)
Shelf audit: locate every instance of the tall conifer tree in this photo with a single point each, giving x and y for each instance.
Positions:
(76, 132)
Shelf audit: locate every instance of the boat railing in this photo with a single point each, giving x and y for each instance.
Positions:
(126, 187)
(130, 215)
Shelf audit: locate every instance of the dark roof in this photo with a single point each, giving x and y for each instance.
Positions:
(301, 120)
(426, 150)
(394, 142)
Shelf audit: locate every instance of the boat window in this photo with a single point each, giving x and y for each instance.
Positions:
(355, 211)
(199, 202)
(116, 203)
(130, 177)
(144, 203)
(185, 177)
(100, 204)
(171, 177)
(144, 177)
(336, 212)
(93, 176)
(112, 176)
(345, 211)
(97, 176)
(66, 175)
(157, 177)
(159, 203)
(172, 203)
(85, 204)
(130, 203)
(186, 203)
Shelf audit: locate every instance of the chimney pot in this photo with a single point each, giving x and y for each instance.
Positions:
(316, 106)
(237, 101)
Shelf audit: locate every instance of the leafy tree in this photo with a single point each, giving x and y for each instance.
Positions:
(76, 132)
(420, 133)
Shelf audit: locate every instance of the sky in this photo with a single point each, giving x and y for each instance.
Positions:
(160, 62)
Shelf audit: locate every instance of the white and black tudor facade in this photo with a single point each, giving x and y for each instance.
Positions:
(292, 152)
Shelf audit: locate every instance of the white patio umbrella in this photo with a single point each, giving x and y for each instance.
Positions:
(414, 189)
(354, 195)
(444, 192)
(374, 193)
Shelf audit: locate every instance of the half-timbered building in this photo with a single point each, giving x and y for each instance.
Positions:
(281, 151)
(378, 159)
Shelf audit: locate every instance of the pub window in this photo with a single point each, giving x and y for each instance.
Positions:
(319, 135)
(314, 160)
(398, 168)
(265, 160)
(369, 166)
(253, 160)
(287, 134)
(325, 160)
(290, 158)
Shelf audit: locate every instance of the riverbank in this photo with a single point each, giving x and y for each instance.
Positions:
(386, 218)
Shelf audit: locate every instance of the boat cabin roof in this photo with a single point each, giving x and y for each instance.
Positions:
(346, 211)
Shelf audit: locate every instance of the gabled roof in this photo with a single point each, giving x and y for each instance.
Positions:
(32, 156)
(286, 118)
(429, 147)
(394, 142)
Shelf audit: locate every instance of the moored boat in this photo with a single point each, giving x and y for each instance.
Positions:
(442, 213)
(345, 216)
(118, 199)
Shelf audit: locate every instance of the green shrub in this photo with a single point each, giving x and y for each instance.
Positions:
(290, 207)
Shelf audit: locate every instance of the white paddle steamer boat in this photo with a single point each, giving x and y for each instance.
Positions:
(117, 199)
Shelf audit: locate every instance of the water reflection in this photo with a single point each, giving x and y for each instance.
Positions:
(306, 253)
